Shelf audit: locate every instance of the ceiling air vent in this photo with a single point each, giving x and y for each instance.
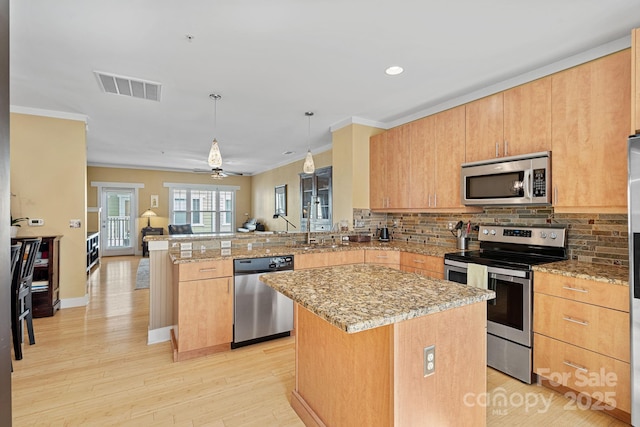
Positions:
(128, 86)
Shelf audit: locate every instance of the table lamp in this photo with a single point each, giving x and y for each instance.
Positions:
(148, 214)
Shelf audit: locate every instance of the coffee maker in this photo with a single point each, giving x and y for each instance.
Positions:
(383, 234)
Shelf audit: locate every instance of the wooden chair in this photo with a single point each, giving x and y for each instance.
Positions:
(21, 305)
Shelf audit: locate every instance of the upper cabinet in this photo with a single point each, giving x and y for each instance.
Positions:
(591, 114)
(635, 81)
(517, 121)
(389, 169)
(417, 166)
(448, 154)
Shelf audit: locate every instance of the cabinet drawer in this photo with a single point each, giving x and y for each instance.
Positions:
(422, 262)
(205, 270)
(583, 290)
(595, 328)
(382, 257)
(426, 273)
(603, 378)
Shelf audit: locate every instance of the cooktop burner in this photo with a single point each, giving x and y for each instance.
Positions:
(517, 247)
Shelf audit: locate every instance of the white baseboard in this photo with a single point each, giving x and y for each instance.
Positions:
(155, 336)
(74, 302)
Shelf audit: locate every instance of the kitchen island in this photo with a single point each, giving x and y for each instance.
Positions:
(361, 335)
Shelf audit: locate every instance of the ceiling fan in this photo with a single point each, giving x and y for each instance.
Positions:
(218, 173)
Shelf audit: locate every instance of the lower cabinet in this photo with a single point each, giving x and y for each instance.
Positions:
(205, 308)
(427, 265)
(581, 344)
(389, 259)
(325, 259)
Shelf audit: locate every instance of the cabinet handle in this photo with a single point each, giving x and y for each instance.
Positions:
(205, 270)
(579, 322)
(228, 285)
(555, 195)
(418, 261)
(497, 149)
(435, 200)
(569, 288)
(429, 200)
(506, 148)
(575, 366)
(382, 256)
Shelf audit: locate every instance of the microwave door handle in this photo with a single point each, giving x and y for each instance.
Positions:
(527, 184)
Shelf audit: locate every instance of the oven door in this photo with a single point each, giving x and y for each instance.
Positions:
(509, 314)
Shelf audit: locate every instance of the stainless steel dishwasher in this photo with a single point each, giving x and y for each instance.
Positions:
(259, 312)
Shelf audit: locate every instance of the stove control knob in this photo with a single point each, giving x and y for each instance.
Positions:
(553, 235)
(543, 235)
(493, 232)
(485, 231)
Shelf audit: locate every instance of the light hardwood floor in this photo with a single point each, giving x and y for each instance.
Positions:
(91, 366)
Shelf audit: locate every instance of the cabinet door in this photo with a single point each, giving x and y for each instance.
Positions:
(590, 107)
(449, 136)
(205, 313)
(397, 172)
(635, 81)
(527, 118)
(421, 162)
(484, 128)
(377, 171)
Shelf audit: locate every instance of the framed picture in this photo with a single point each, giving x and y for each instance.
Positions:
(154, 200)
(281, 200)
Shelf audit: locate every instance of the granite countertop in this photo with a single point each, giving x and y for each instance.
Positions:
(358, 297)
(197, 255)
(614, 274)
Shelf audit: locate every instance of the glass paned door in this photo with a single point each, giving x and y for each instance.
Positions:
(117, 221)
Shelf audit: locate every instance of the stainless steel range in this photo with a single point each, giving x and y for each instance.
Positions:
(509, 253)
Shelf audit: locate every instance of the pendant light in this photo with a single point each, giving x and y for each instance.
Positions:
(308, 166)
(215, 158)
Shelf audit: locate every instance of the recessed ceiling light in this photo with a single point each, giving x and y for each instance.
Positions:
(394, 70)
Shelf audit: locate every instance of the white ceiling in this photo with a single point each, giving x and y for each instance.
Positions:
(273, 60)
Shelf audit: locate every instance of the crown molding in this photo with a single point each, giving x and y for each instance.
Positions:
(49, 113)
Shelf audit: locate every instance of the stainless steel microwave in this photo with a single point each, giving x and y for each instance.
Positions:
(516, 180)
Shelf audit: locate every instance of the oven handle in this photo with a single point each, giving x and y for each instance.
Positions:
(503, 273)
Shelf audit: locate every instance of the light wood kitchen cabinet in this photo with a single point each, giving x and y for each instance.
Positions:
(427, 265)
(389, 169)
(590, 112)
(635, 81)
(324, 259)
(204, 292)
(510, 123)
(389, 259)
(581, 333)
(437, 150)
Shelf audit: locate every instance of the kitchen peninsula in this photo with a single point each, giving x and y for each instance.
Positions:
(361, 335)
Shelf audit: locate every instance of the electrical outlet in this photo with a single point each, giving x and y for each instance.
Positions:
(429, 357)
(450, 226)
(225, 244)
(35, 222)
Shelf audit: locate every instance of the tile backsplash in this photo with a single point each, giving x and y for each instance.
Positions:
(595, 238)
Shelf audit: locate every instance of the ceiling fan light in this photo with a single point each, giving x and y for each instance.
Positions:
(308, 166)
(215, 158)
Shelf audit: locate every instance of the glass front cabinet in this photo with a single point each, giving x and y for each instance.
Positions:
(315, 196)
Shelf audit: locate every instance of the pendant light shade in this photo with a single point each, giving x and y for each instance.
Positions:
(215, 158)
(308, 166)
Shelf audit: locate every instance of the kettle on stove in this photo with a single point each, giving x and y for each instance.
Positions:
(384, 234)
